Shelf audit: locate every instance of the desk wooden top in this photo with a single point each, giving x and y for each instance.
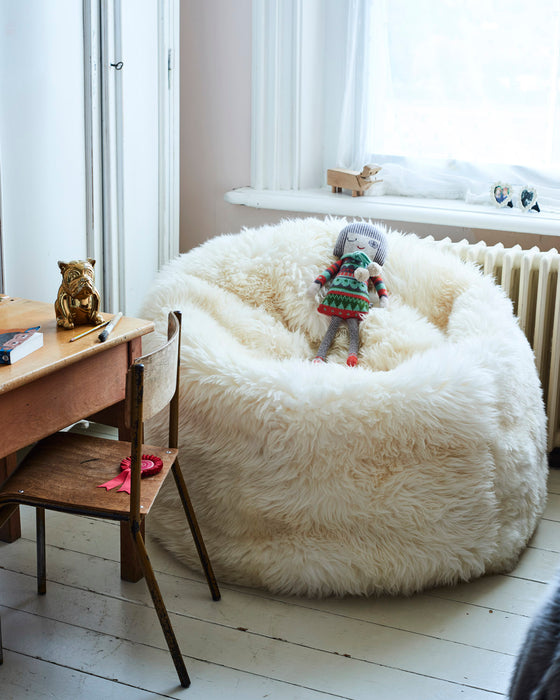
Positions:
(57, 351)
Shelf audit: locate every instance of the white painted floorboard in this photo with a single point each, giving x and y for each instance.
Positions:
(95, 636)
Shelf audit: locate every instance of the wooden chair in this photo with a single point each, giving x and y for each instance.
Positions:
(64, 471)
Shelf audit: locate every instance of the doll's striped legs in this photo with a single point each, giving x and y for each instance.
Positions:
(328, 339)
(354, 342)
(353, 346)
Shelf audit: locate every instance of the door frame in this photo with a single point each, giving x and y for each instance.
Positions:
(104, 144)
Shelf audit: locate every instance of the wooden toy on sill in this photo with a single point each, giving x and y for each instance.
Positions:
(78, 300)
(357, 182)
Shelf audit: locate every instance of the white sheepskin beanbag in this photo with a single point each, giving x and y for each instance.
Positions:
(425, 465)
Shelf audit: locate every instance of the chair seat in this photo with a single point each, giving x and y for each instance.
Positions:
(64, 472)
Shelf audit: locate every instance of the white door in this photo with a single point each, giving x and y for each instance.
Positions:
(42, 148)
(88, 133)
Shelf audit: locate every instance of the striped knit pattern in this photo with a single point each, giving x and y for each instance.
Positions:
(347, 296)
(380, 287)
(331, 272)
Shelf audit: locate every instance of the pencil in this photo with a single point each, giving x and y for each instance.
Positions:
(77, 337)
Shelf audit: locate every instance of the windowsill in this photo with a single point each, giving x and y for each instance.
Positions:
(443, 212)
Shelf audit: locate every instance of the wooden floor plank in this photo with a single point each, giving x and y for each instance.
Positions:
(22, 676)
(148, 667)
(547, 536)
(450, 642)
(552, 511)
(554, 481)
(506, 593)
(433, 617)
(537, 565)
(309, 630)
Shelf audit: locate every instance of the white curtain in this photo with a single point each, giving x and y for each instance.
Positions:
(352, 138)
(367, 108)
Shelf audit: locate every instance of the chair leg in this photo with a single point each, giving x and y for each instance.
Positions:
(41, 551)
(197, 535)
(161, 610)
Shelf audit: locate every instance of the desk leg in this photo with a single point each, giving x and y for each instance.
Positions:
(11, 531)
(131, 569)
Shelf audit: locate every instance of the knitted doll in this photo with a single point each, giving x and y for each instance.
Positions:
(361, 249)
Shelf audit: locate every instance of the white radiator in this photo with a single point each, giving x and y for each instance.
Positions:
(530, 279)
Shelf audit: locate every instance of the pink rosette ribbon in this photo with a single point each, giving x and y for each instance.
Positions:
(150, 465)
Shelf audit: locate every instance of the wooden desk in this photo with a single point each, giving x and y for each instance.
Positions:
(60, 384)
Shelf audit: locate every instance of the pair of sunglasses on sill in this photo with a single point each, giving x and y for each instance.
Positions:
(502, 196)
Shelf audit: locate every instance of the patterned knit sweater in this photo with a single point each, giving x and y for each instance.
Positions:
(348, 297)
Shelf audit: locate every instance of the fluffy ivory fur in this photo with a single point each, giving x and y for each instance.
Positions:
(425, 465)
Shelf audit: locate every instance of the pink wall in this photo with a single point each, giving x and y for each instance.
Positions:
(215, 119)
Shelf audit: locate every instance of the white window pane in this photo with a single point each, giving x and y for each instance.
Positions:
(476, 81)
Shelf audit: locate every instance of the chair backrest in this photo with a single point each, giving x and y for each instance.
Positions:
(151, 386)
(160, 371)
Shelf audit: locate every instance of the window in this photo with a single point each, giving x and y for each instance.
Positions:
(475, 81)
(448, 97)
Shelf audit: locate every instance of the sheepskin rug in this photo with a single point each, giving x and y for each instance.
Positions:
(423, 466)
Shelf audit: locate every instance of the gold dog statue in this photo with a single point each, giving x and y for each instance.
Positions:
(78, 300)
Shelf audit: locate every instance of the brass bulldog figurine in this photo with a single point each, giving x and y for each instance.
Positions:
(78, 300)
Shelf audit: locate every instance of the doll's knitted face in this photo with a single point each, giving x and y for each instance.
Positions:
(358, 242)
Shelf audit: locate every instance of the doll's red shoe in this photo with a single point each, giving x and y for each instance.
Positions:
(352, 360)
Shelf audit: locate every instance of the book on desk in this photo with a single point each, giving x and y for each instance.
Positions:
(16, 343)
